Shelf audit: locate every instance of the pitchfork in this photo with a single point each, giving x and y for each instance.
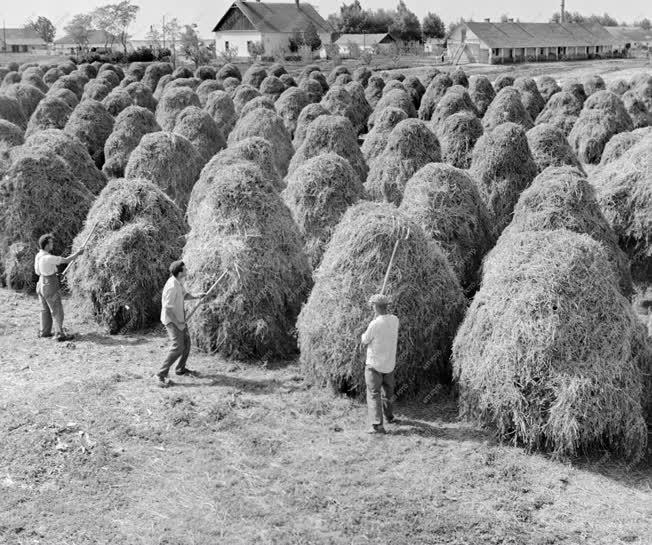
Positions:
(403, 234)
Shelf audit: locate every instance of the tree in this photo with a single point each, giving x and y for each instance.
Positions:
(406, 26)
(43, 27)
(153, 36)
(103, 20)
(504, 18)
(433, 26)
(124, 13)
(172, 31)
(643, 23)
(192, 47)
(79, 28)
(311, 37)
(352, 18)
(575, 17)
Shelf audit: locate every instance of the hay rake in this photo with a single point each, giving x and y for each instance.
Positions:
(82, 247)
(403, 233)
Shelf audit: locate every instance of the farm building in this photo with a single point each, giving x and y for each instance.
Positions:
(270, 24)
(630, 37)
(363, 42)
(496, 43)
(98, 40)
(21, 40)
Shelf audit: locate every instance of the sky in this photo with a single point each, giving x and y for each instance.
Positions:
(206, 13)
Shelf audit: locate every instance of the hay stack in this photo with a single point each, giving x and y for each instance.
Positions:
(139, 233)
(429, 74)
(207, 87)
(221, 108)
(454, 101)
(643, 88)
(362, 74)
(481, 92)
(410, 146)
(507, 107)
(290, 105)
(267, 125)
(35, 190)
(172, 103)
(254, 76)
(66, 95)
(576, 89)
(394, 99)
(361, 108)
(437, 89)
(636, 108)
(374, 90)
(141, 95)
(343, 79)
(593, 84)
(307, 70)
(530, 96)
(107, 67)
(34, 79)
(205, 72)
(503, 167)
(603, 115)
(618, 87)
(203, 133)
(243, 94)
(331, 133)
(130, 126)
(258, 102)
(550, 148)
(71, 83)
(321, 79)
(550, 352)
(306, 117)
(68, 66)
(182, 72)
(73, 153)
(393, 84)
(457, 136)
(624, 193)
(312, 88)
(253, 313)
(444, 201)
(336, 72)
(621, 143)
(547, 86)
(170, 161)
(459, 77)
(255, 150)
(11, 135)
(317, 194)
(288, 81)
(11, 110)
(161, 85)
(562, 198)
(424, 292)
(87, 69)
(27, 96)
(229, 71)
(230, 85)
(561, 111)
(277, 69)
(92, 125)
(503, 81)
(52, 75)
(117, 101)
(96, 90)
(10, 79)
(415, 89)
(375, 142)
(272, 87)
(51, 113)
(338, 101)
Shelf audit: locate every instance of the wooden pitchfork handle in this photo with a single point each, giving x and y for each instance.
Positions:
(391, 261)
(201, 300)
(82, 246)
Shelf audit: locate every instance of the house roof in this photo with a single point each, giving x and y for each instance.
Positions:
(94, 37)
(286, 18)
(20, 36)
(540, 34)
(630, 33)
(363, 39)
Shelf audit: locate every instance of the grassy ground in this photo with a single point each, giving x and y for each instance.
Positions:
(92, 452)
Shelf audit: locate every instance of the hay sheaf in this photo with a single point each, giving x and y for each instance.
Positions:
(120, 275)
(548, 87)
(621, 143)
(290, 105)
(503, 81)
(258, 102)
(205, 88)
(267, 125)
(550, 148)
(424, 292)
(141, 95)
(415, 89)
(117, 101)
(12, 111)
(230, 85)
(221, 108)
(73, 153)
(376, 140)
(254, 75)
(437, 89)
(455, 100)
(530, 96)
(244, 228)
(317, 194)
(170, 161)
(203, 133)
(576, 89)
(602, 116)
(272, 87)
(96, 90)
(243, 94)
(205, 72)
(66, 95)
(306, 117)
(503, 167)
(33, 194)
(362, 74)
(10, 134)
(444, 201)
(229, 71)
(457, 136)
(374, 90)
(321, 79)
(640, 113)
(9, 79)
(313, 89)
(288, 81)
(51, 113)
(130, 126)
(255, 150)
(331, 133)
(92, 125)
(562, 198)
(396, 98)
(410, 146)
(172, 103)
(562, 111)
(550, 352)
(624, 193)
(338, 101)
(507, 107)
(481, 92)
(27, 96)
(277, 69)
(361, 108)
(52, 75)
(393, 84)
(336, 72)
(593, 84)
(161, 85)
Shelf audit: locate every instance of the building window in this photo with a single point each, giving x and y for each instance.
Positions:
(25, 49)
(495, 52)
(542, 51)
(226, 46)
(15, 49)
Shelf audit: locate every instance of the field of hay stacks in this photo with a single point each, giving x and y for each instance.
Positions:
(522, 199)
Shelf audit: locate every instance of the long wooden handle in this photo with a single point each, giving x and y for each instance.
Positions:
(205, 295)
(389, 267)
(82, 246)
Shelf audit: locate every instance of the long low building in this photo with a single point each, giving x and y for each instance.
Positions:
(21, 40)
(496, 43)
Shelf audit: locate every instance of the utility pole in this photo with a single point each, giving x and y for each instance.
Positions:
(562, 18)
(4, 36)
(163, 31)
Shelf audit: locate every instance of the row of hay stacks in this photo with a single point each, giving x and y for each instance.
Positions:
(260, 176)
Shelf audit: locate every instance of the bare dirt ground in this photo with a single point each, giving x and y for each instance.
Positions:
(92, 452)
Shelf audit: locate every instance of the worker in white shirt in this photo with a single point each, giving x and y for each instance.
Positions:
(380, 338)
(173, 317)
(47, 288)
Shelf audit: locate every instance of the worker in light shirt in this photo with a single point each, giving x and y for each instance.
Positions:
(380, 338)
(47, 288)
